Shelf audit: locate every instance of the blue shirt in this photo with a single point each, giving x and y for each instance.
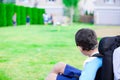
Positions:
(28, 19)
(90, 68)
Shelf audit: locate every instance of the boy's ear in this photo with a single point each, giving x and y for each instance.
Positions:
(79, 47)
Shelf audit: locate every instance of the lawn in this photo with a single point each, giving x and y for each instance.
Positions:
(29, 52)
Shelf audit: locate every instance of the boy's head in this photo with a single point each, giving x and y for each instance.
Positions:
(86, 39)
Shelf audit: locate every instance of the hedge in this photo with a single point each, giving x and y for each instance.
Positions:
(22, 15)
(9, 14)
(40, 15)
(34, 16)
(7, 11)
(18, 14)
(3, 21)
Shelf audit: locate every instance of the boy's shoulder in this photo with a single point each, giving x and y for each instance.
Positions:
(93, 60)
(96, 61)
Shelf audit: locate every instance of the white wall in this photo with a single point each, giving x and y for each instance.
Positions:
(86, 5)
(107, 16)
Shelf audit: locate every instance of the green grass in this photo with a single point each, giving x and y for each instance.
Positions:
(29, 53)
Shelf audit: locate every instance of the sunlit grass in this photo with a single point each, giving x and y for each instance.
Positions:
(29, 52)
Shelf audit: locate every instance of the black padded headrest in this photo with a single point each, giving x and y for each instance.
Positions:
(106, 43)
(118, 40)
(106, 47)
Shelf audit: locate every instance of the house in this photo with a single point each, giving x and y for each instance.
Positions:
(86, 5)
(107, 12)
(86, 8)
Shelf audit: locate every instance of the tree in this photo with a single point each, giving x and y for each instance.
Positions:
(71, 4)
(1, 1)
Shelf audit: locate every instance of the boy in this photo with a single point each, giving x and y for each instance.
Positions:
(28, 20)
(86, 41)
(45, 17)
(14, 19)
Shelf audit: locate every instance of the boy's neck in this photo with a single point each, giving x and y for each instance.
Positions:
(92, 52)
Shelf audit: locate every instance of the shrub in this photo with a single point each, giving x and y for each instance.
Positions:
(3, 21)
(7, 11)
(34, 16)
(17, 11)
(23, 15)
(9, 14)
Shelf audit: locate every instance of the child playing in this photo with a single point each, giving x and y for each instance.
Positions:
(86, 41)
(46, 18)
(28, 20)
(14, 19)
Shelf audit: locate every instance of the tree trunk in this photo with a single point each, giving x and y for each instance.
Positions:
(71, 14)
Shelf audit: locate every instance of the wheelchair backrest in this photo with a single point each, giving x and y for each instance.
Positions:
(106, 47)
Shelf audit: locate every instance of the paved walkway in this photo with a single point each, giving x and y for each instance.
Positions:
(107, 31)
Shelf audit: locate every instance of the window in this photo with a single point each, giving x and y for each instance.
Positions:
(110, 1)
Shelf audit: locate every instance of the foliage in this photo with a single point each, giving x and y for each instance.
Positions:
(18, 14)
(1, 1)
(70, 3)
(40, 16)
(9, 14)
(7, 11)
(23, 15)
(3, 21)
(35, 16)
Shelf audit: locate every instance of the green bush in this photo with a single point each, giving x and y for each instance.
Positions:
(34, 16)
(7, 11)
(3, 21)
(17, 11)
(23, 15)
(9, 14)
(40, 15)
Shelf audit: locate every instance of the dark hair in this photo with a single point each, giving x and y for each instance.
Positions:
(86, 38)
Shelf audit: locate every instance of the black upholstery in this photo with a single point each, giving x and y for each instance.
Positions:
(106, 48)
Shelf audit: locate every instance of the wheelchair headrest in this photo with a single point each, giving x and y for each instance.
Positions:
(107, 43)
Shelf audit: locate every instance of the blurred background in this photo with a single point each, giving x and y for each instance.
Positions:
(98, 12)
(36, 34)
